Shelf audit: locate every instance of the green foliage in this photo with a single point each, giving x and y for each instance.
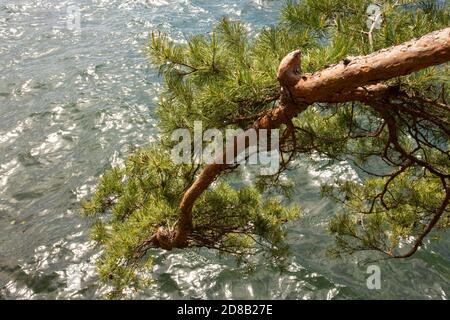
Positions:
(220, 78)
(380, 218)
(145, 194)
(137, 198)
(225, 68)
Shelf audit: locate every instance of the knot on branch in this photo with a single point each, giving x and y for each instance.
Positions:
(289, 75)
(289, 70)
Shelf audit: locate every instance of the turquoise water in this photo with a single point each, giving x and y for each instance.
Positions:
(72, 102)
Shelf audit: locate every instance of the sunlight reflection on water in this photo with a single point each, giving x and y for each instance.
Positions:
(70, 106)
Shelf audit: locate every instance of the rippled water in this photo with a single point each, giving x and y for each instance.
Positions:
(72, 102)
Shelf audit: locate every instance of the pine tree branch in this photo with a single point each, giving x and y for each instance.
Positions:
(357, 80)
(328, 84)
